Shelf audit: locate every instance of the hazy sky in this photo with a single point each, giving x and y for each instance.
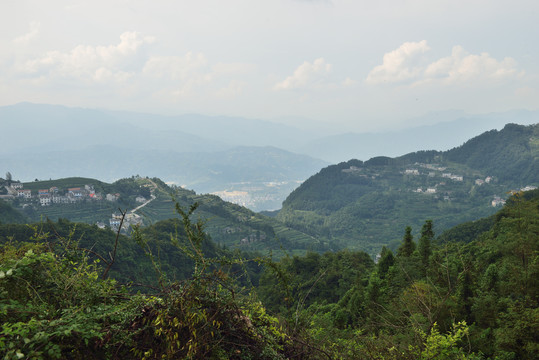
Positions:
(358, 64)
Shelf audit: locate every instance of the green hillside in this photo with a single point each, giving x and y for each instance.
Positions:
(365, 205)
(511, 154)
(231, 225)
(225, 223)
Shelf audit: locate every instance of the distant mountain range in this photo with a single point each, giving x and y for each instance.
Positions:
(264, 161)
(454, 129)
(354, 204)
(266, 174)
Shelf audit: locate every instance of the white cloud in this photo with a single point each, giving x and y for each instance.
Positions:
(89, 63)
(306, 75)
(169, 77)
(407, 64)
(399, 65)
(34, 31)
(462, 67)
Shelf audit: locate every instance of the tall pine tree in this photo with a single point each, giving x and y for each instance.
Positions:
(408, 246)
(427, 234)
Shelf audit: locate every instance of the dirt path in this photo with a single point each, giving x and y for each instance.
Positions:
(147, 202)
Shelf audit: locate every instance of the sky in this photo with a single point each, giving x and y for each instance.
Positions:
(357, 65)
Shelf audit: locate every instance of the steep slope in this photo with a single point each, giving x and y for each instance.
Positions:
(365, 205)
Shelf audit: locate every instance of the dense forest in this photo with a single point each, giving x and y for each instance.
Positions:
(472, 293)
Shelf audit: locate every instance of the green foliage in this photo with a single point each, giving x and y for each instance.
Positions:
(440, 346)
(424, 247)
(9, 215)
(408, 246)
(339, 305)
(54, 304)
(417, 305)
(466, 232)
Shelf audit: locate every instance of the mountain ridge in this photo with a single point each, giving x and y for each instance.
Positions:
(365, 205)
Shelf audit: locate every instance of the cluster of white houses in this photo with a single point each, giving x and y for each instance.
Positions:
(54, 195)
(130, 219)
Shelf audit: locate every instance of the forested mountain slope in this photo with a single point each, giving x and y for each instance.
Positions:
(365, 205)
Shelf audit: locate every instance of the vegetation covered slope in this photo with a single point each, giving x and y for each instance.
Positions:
(57, 302)
(445, 298)
(131, 265)
(511, 154)
(429, 300)
(365, 205)
(226, 223)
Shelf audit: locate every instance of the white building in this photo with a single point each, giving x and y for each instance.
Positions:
(497, 201)
(24, 193)
(111, 197)
(45, 199)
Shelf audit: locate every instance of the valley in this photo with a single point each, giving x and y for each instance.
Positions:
(356, 205)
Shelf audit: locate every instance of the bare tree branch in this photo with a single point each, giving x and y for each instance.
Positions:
(113, 257)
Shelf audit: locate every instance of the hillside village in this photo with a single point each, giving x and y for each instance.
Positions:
(57, 196)
(437, 178)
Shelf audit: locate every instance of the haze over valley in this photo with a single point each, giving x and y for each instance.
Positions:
(250, 162)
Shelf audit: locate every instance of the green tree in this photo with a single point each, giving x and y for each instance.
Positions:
(386, 261)
(9, 178)
(407, 246)
(427, 234)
